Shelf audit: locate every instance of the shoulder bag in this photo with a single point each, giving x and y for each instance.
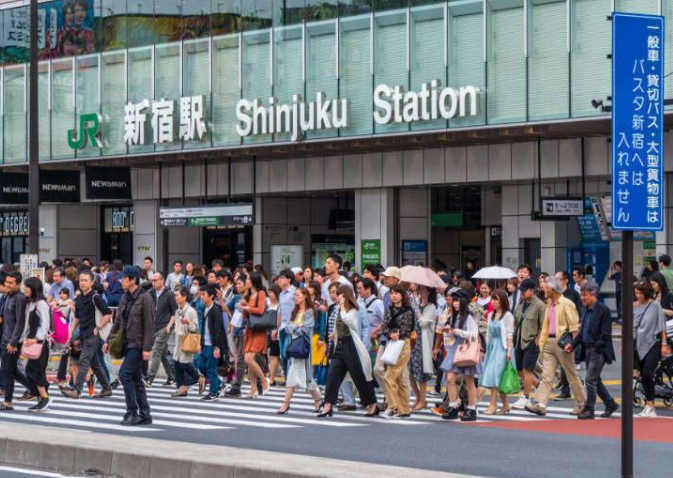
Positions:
(300, 347)
(117, 341)
(33, 351)
(392, 352)
(265, 321)
(467, 354)
(191, 342)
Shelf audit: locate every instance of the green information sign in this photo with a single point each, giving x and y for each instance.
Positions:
(447, 219)
(370, 252)
(203, 221)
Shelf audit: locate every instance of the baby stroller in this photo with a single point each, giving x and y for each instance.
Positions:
(663, 384)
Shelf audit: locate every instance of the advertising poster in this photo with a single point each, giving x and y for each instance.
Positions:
(65, 28)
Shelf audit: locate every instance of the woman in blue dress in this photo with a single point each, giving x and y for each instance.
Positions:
(461, 326)
(498, 350)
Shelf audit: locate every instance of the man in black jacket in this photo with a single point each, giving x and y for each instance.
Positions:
(213, 340)
(595, 342)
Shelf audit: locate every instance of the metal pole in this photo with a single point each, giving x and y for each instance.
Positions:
(627, 354)
(33, 146)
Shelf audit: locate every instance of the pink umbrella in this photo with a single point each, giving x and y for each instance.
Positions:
(422, 276)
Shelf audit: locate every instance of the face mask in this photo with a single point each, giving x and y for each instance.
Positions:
(194, 290)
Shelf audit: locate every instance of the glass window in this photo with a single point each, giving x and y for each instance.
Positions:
(113, 24)
(140, 31)
(548, 72)
(167, 87)
(226, 16)
(390, 56)
(44, 120)
(256, 74)
(226, 91)
(168, 20)
(591, 44)
(355, 71)
(63, 107)
(381, 5)
(667, 11)
(196, 82)
(256, 14)
(196, 18)
(349, 8)
(287, 61)
(636, 6)
(71, 28)
(140, 81)
(288, 12)
(113, 78)
(506, 65)
(87, 97)
(428, 61)
(321, 66)
(317, 10)
(466, 54)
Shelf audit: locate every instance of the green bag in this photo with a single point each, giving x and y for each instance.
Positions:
(509, 382)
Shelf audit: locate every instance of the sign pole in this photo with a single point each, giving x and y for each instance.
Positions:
(33, 141)
(627, 354)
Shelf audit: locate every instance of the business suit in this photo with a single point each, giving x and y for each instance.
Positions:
(595, 343)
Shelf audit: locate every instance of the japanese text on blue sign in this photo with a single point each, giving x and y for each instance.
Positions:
(637, 122)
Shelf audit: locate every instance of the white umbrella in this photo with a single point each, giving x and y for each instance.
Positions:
(494, 273)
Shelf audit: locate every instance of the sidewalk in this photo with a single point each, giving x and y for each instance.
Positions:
(70, 451)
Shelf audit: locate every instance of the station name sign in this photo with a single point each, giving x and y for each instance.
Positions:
(392, 104)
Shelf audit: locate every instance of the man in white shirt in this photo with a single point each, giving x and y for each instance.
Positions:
(174, 278)
(332, 267)
(285, 308)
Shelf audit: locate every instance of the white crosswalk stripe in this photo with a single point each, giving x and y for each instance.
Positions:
(192, 413)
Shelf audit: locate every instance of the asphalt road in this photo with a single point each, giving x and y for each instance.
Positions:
(517, 446)
(14, 472)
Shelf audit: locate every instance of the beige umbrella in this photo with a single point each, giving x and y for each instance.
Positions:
(422, 276)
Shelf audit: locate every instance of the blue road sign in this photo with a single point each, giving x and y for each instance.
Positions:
(637, 122)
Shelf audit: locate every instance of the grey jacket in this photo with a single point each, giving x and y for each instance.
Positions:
(13, 319)
(164, 308)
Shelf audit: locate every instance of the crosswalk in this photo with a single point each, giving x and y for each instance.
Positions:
(192, 414)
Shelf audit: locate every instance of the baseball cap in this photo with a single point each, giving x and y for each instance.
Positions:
(459, 294)
(297, 270)
(393, 272)
(527, 284)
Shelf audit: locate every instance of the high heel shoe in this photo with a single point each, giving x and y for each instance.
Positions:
(284, 412)
(375, 413)
(325, 414)
(320, 406)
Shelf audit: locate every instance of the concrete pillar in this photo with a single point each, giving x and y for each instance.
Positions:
(415, 222)
(146, 232)
(554, 245)
(48, 249)
(375, 220)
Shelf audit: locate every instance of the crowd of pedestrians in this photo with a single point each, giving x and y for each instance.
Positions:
(339, 335)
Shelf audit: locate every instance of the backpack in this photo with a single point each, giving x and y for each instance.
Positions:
(105, 331)
(59, 325)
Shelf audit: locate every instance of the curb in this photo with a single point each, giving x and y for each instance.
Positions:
(76, 451)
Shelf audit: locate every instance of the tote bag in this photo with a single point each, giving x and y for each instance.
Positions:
(467, 354)
(32, 352)
(392, 352)
(191, 343)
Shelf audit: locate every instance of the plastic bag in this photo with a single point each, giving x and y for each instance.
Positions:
(509, 382)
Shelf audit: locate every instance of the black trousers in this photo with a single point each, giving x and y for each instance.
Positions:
(10, 373)
(130, 375)
(345, 360)
(36, 370)
(647, 366)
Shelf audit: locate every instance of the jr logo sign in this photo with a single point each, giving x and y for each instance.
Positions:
(89, 131)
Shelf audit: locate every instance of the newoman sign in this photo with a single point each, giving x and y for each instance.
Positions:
(392, 104)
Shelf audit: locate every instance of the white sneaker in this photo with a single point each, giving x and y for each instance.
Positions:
(389, 413)
(648, 412)
(521, 403)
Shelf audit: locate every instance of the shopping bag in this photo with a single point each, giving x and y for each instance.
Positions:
(320, 373)
(468, 354)
(191, 343)
(392, 352)
(509, 382)
(317, 351)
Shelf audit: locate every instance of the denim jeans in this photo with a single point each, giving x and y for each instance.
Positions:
(594, 383)
(208, 367)
(182, 369)
(283, 343)
(130, 375)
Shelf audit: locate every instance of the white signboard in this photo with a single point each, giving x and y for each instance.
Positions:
(286, 257)
(28, 262)
(562, 207)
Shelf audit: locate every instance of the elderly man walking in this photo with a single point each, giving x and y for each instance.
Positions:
(561, 324)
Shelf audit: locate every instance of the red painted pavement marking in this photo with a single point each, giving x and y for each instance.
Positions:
(644, 429)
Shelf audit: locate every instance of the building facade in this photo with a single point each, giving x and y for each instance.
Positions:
(398, 130)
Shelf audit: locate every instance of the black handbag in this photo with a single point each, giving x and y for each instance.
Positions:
(299, 348)
(266, 321)
(565, 339)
